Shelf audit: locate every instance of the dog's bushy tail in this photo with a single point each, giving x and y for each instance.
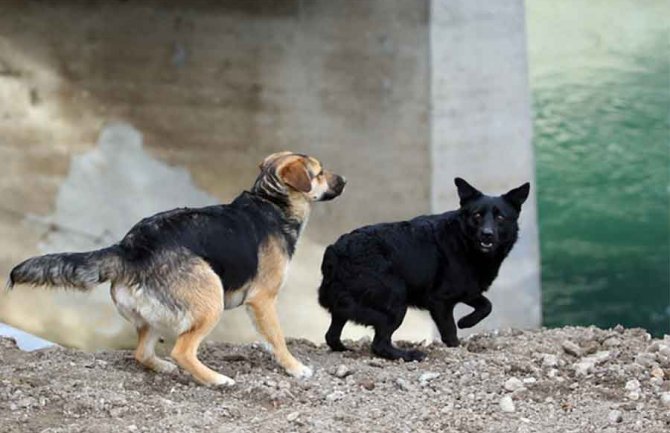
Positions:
(328, 266)
(81, 271)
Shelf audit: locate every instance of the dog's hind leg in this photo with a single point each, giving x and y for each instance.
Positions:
(334, 333)
(385, 326)
(202, 292)
(145, 354)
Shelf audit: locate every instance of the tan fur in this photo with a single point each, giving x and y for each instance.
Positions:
(261, 304)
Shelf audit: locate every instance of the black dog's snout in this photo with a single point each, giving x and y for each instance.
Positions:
(487, 234)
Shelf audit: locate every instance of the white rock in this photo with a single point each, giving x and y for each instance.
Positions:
(656, 381)
(665, 399)
(292, 416)
(512, 384)
(428, 376)
(402, 384)
(335, 395)
(611, 342)
(549, 360)
(632, 385)
(583, 367)
(600, 357)
(657, 372)
(633, 395)
(528, 380)
(343, 371)
(506, 404)
(571, 348)
(615, 417)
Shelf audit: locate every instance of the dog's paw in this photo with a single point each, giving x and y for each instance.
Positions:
(413, 355)
(301, 372)
(222, 381)
(451, 342)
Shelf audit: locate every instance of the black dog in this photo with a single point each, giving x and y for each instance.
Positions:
(433, 262)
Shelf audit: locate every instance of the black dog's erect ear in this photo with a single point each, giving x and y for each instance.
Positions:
(517, 196)
(466, 192)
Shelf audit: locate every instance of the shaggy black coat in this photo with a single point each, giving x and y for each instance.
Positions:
(373, 274)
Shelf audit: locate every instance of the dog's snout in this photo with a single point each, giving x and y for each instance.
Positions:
(487, 234)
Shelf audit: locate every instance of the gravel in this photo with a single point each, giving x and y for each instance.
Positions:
(502, 381)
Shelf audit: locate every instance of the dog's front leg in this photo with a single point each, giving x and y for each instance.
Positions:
(482, 308)
(443, 316)
(263, 311)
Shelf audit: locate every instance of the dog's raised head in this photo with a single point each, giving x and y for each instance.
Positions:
(490, 222)
(295, 175)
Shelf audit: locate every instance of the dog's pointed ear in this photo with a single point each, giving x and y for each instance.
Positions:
(295, 175)
(517, 196)
(466, 192)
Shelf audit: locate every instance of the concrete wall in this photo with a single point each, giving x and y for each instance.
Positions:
(211, 88)
(122, 109)
(481, 130)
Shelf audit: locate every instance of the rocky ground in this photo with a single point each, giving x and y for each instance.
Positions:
(559, 380)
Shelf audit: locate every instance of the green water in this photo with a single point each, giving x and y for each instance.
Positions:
(600, 79)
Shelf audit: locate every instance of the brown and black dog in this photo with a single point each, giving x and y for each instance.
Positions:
(175, 272)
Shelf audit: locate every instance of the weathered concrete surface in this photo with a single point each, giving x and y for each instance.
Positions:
(481, 130)
(212, 88)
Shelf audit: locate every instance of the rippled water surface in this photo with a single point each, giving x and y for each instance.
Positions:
(600, 78)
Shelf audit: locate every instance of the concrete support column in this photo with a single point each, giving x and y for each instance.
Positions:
(481, 131)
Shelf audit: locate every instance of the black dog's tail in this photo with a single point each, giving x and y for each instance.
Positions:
(328, 266)
(81, 271)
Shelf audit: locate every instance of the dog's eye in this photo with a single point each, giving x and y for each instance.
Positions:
(500, 218)
(477, 216)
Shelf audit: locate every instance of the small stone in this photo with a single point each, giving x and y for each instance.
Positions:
(549, 360)
(632, 385)
(633, 395)
(665, 399)
(343, 371)
(611, 342)
(618, 328)
(615, 417)
(584, 367)
(335, 395)
(512, 384)
(657, 372)
(552, 373)
(402, 384)
(656, 381)
(367, 384)
(292, 416)
(571, 348)
(529, 380)
(132, 427)
(646, 359)
(428, 376)
(506, 404)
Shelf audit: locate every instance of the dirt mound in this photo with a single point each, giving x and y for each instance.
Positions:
(559, 380)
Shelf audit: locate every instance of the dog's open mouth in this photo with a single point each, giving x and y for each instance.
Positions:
(486, 246)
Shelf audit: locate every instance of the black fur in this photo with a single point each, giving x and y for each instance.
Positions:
(373, 274)
(228, 236)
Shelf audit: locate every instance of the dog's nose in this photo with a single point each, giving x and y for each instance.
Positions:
(487, 234)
